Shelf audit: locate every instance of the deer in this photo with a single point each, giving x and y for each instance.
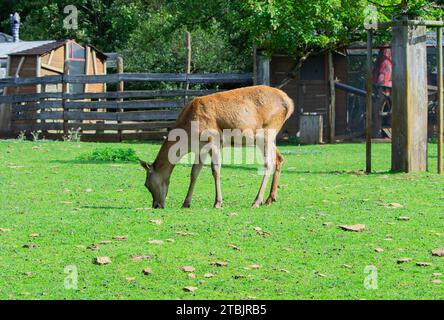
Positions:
(249, 109)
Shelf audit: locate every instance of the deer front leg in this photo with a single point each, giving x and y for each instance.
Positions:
(269, 161)
(197, 167)
(276, 176)
(215, 169)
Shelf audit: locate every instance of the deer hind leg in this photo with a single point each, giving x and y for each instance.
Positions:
(215, 169)
(197, 167)
(269, 157)
(276, 176)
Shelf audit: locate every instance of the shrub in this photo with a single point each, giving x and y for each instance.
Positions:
(110, 155)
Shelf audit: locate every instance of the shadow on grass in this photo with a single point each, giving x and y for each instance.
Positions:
(90, 162)
(107, 207)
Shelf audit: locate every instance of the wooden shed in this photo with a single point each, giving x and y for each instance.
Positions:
(310, 89)
(51, 59)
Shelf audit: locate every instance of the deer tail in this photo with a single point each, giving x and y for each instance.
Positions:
(289, 105)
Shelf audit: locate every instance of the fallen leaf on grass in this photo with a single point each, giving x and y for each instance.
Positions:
(120, 238)
(4, 230)
(436, 281)
(34, 235)
(140, 257)
(437, 274)
(188, 269)
(189, 289)
(260, 232)
(404, 218)
(147, 271)
(93, 247)
(232, 214)
(105, 242)
(255, 266)
(119, 190)
(234, 247)
(102, 260)
(393, 205)
(130, 279)
(208, 275)
(29, 246)
(327, 224)
(403, 260)
(192, 275)
(353, 228)
(156, 242)
(320, 274)
(181, 233)
(27, 273)
(89, 190)
(156, 222)
(423, 264)
(438, 252)
(219, 264)
(379, 250)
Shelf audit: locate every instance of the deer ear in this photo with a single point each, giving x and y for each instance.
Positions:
(144, 164)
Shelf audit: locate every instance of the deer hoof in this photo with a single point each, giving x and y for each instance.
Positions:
(270, 200)
(218, 205)
(255, 205)
(186, 205)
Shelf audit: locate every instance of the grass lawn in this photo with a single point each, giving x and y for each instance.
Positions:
(62, 205)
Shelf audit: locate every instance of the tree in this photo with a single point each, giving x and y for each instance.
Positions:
(304, 28)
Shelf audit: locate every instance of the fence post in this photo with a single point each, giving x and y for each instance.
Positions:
(440, 97)
(65, 89)
(187, 65)
(120, 88)
(409, 96)
(369, 104)
(262, 69)
(332, 104)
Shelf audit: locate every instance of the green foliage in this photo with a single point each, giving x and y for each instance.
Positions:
(109, 154)
(150, 33)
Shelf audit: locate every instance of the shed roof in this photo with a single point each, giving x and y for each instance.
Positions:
(5, 37)
(48, 47)
(8, 48)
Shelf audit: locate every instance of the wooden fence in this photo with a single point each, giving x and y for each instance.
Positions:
(104, 116)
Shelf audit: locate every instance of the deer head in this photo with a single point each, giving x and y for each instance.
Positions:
(156, 184)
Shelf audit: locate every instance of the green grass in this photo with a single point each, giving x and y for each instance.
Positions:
(43, 189)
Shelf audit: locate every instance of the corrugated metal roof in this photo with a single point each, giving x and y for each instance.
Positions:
(5, 37)
(7, 48)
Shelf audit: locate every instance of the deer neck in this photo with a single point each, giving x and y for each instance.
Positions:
(162, 165)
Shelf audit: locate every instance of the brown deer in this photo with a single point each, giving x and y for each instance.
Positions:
(250, 109)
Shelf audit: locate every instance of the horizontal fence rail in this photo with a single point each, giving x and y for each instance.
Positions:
(103, 116)
(127, 77)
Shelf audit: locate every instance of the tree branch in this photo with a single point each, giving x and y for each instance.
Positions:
(294, 70)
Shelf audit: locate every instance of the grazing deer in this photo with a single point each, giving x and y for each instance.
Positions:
(250, 109)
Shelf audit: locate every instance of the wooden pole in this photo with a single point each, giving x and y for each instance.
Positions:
(188, 63)
(440, 98)
(254, 65)
(120, 88)
(65, 86)
(332, 104)
(368, 146)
